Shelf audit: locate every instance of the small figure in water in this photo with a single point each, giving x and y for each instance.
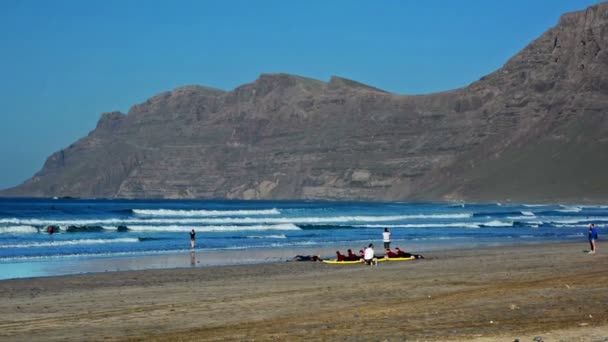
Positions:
(192, 238)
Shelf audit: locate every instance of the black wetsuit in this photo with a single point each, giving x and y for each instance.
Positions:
(307, 258)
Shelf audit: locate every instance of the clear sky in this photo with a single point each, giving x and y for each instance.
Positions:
(63, 63)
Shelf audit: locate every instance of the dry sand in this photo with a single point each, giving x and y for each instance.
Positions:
(554, 292)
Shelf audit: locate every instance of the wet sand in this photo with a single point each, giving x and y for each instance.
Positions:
(552, 291)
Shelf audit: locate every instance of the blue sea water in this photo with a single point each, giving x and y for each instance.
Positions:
(89, 229)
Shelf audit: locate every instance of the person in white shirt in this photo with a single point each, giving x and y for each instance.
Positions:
(386, 238)
(368, 255)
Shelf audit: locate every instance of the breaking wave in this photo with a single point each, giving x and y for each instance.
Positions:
(70, 243)
(18, 230)
(175, 228)
(203, 213)
(230, 220)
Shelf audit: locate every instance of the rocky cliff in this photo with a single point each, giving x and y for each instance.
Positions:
(535, 130)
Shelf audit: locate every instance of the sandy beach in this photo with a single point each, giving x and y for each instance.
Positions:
(553, 291)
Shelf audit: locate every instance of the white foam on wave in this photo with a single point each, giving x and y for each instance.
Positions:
(279, 236)
(527, 213)
(434, 238)
(233, 220)
(569, 209)
(526, 219)
(203, 213)
(425, 225)
(175, 228)
(497, 223)
(70, 242)
(582, 226)
(595, 219)
(18, 230)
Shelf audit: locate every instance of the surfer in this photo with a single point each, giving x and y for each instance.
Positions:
(192, 238)
(307, 258)
(352, 256)
(403, 254)
(340, 256)
(390, 254)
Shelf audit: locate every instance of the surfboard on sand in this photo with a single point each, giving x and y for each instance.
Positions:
(350, 262)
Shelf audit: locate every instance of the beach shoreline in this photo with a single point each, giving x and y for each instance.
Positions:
(497, 294)
(201, 257)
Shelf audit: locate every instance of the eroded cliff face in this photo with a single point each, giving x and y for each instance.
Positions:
(535, 130)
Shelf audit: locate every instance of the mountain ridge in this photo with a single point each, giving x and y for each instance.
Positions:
(526, 132)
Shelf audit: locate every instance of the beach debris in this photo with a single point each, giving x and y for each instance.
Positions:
(514, 307)
(538, 339)
(516, 340)
(583, 324)
(568, 286)
(590, 316)
(491, 322)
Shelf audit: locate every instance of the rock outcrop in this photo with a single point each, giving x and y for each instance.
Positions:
(535, 130)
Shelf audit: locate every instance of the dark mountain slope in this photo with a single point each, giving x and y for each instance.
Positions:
(535, 130)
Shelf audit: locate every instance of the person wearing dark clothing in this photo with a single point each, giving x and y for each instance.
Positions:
(403, 254)
(390, 254)
(307, 258)
(352, 256)
(192, 238)
(592, 238)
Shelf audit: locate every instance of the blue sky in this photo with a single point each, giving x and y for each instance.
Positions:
(63, 63)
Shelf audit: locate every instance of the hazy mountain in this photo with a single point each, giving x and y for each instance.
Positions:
(534, 130)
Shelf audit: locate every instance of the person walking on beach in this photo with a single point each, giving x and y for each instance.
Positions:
(592, 238)
(192, 238)
(386, 238)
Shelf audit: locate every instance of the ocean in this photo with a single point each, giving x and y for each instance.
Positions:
(94, 235)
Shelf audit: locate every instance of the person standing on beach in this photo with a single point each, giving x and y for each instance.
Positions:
(192, 237)
(386, 238)
(592, 238)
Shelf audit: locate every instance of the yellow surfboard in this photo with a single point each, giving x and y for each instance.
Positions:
(334, 261)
